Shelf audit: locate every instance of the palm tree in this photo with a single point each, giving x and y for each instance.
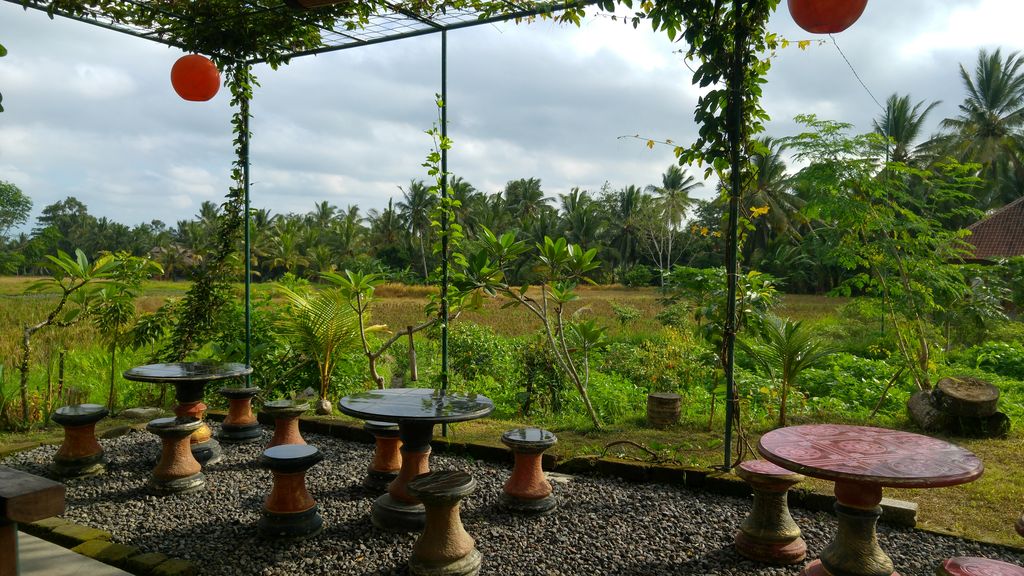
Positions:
(901, 125)
(623, 210)
(415, 209)
(988, 129)
(769, 188)
(785, 349)
(580, 218)
(319, 326)
(525, 199)
(322, 215)
(672, 200)
(674, 195)
(469, 199)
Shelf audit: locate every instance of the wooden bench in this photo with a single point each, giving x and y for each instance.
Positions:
(23, 498)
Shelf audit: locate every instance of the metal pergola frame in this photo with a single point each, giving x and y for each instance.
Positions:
(398, 24)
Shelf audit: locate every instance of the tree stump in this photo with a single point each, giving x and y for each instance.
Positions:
(965, 396)
(924, 413)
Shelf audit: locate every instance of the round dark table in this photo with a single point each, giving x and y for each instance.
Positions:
(189, 380)
(416, 410)
(861, 461)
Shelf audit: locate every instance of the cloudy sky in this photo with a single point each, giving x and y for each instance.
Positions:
(90, 113)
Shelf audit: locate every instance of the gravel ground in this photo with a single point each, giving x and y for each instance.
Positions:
(604, 526)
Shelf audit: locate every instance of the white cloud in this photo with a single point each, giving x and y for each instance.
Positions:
(100, 82)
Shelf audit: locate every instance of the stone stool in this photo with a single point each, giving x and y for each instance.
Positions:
(444, 548)
(240, 425)
(80, 454)
(1020, 525)
(289, 511)
(965, 566)
(286, 421)
(178, 470)
(768, 533)
(387, 456)
(527, 491)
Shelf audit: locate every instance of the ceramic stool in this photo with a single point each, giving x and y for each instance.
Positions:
(240, 425)
(178, 470)
(965, 566)
(80, 454)
(387, 456)
(286, 421)
(289, 511)
(444, 547)
(768, 533)
(527, 491)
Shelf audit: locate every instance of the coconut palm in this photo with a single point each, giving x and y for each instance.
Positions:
(785, 349)
(580, 217)
(415, 210)
(319, 326)
(769, 188)
(525, 199)
(988, 129)
(901, 125)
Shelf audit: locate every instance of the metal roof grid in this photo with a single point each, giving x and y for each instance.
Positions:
(383, 27)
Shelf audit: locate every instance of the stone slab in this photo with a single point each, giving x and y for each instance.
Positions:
(175, 567)
(72, 535)
(41, 558)
(146, 563)
(106, 552)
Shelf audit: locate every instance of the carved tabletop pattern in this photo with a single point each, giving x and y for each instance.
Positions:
(870, 455)
(187, 372)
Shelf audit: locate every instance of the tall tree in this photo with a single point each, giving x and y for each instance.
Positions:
(415, 207)
(14, 208)
(900, 124)
(525, 199)
(988, 129)
(666, 216)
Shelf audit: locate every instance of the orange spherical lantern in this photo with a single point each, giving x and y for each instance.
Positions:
(826, 16)
(195, 78)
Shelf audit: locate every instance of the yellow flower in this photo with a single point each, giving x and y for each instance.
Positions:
(758, 211)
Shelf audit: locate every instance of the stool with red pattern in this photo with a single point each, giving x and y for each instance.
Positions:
(527, 491)
(387, 457)
(80, 454)
(286, 421)
(768, 533)
(966, 566)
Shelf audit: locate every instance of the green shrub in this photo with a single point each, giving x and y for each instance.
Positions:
(475, 351)
(638, 276)
(851, 386)
(1003, 358)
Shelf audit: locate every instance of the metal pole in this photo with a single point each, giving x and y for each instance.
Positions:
(444, 221)
(244, 107)
(734, 128)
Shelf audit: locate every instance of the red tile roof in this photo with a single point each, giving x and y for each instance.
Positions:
(1000, 234)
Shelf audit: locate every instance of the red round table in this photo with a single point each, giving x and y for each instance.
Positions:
(861, 461)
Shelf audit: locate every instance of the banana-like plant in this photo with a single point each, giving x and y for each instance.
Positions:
(319, 326)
